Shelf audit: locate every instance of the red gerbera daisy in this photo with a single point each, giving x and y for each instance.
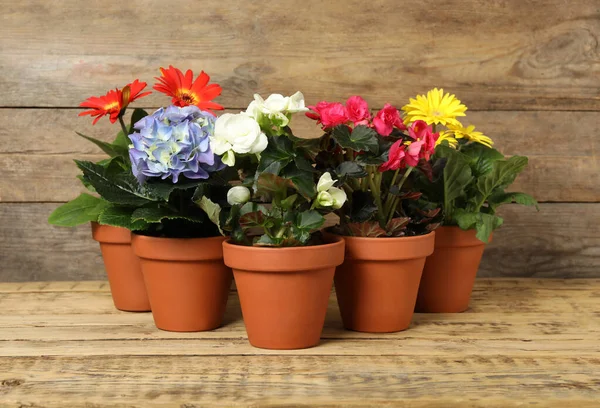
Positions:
(113, 102)
(185, 91)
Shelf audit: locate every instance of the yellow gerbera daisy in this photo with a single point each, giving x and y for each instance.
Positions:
(449, 137)
(469, 133)
(434, 108)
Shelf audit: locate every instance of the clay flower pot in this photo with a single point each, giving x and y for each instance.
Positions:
(187, 282)
(122, 267)
(377, 284)
(284, 292)
(450, 272)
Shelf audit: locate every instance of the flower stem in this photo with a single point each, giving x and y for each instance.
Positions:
(396, 200)
(123, 126)
(376, 193)
(390, 197)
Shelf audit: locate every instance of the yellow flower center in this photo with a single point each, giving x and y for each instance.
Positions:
(111, 106)
(187, 96)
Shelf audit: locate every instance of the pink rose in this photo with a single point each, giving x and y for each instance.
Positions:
(328, 114)
(420, 131)
(387, 119)
(357, 110)
(414, 153)
(396, 157)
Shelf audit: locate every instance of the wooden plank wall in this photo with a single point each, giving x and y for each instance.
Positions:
(528, 70)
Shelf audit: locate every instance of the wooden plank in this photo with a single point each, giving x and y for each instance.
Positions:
(560, 241)
(546, 62)
(38, 166)
(500, 355)
(539, 296)
(325, 381)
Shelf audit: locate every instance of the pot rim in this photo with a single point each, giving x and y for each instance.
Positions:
(423, 237)
(305, 258)
(389, 248)
(452, 236)
(177, 249)
(108, 234)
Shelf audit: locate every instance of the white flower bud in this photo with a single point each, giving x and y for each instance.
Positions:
(238, 195)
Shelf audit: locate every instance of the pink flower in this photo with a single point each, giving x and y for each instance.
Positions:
(396, 157)
(414, 153)
(328, 114)
(357, 110)
(387, 119)
(420, 131)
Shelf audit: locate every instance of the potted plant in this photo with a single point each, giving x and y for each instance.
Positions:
(283, 266)
(165, 199)
(122, 266)
(468, 181)
(388, 228)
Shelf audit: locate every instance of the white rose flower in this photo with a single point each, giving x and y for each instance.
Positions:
(238, 195)
(236, 134)
(296, 103)
(329, 196)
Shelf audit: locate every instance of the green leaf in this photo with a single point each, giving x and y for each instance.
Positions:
(363, 206)
(154, 215)
(252, 219)
(287, 203)
(110, 149)
(503, 174)
(278, 154)
(500, 197)
(483, 223)
(266, 240)
(273, 184)
(86, 183)
(362, 138)
(83, 209)
(481, 158)
(310, 220)
(370, 229)
(121, 188)
(120, 216)
(212, 210)
(456, 176)
(350, 169)
(302, 181)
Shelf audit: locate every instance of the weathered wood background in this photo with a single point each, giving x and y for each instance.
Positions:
(529, 72)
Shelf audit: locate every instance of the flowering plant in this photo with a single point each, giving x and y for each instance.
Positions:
(374, 158)
(468, 176)
(162, 167)
(282, 202)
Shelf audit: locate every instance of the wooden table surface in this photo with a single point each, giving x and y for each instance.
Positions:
(523, 342)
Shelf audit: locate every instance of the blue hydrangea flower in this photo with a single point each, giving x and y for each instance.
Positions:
(173, 142)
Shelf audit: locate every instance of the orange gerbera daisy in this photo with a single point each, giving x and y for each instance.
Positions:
(113, 102)
(185, 91)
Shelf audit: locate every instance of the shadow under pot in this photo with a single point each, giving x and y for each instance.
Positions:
(122, 268)
(284, 292)
(449, 273)
(377, 284)
(187, 282)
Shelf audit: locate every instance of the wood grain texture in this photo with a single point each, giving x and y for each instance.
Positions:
(523, 342)
(559, 241)
(58, 54)
(38, 165)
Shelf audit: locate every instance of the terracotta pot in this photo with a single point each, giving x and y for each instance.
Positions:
(187, 282)
(377, 284)
(284, 292)
(450, 272)
(122, 267)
